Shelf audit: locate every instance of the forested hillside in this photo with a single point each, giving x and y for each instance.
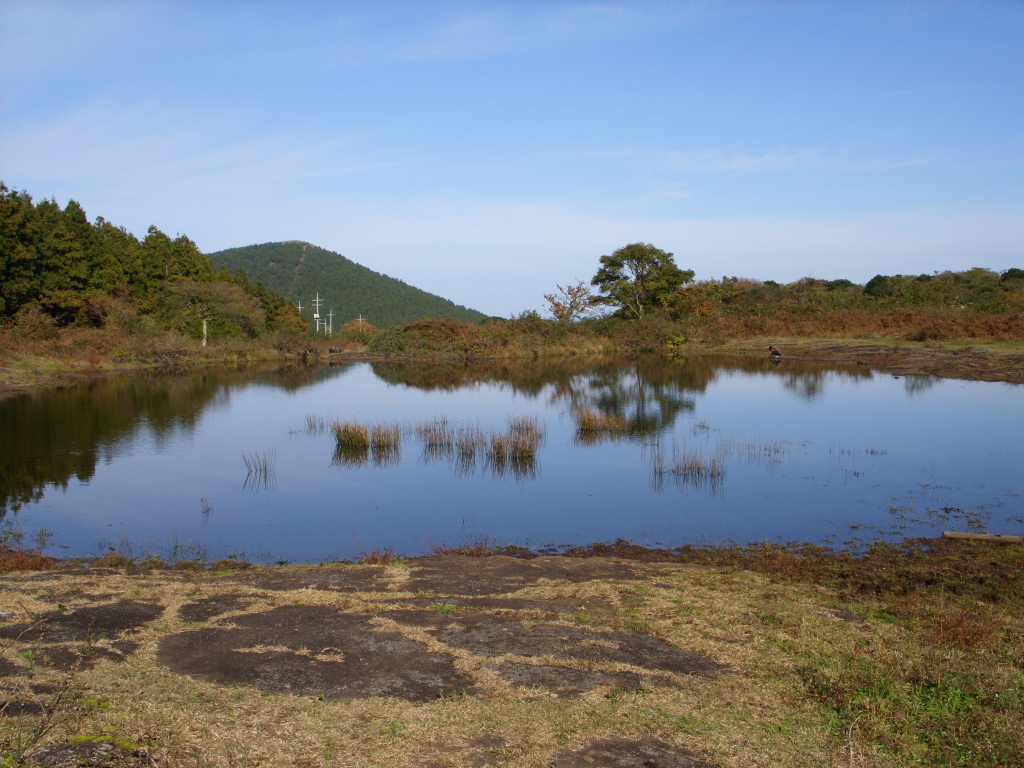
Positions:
(57, 267)
(300, 271)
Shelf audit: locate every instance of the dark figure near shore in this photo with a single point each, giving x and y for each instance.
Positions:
(774, 355)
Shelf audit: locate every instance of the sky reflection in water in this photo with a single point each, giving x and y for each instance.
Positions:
(800, 453)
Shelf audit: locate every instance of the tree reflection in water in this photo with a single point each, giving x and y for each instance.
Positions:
(49, 437)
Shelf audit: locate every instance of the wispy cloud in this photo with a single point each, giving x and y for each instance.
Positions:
(145, 145)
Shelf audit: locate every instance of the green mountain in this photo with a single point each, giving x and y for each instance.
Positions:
(300, 271)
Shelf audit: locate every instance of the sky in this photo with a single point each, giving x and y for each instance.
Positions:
(491, 151)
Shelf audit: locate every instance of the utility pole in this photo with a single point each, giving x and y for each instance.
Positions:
(330, 326)
(316, 310)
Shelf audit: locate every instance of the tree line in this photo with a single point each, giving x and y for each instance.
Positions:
(640, 281)
(56, 264)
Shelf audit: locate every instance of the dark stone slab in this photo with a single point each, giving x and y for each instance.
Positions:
(567, 681)
(314, 651)
(497, 635)
(207, 608)
(337, 578)
(85, 624)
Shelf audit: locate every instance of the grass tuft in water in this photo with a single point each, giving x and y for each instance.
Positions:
(356, 444)
(385, 443)
(593, 427)
(315, 425)
(687, 468)
(514, 450)
(352, 443)
(588, 420)
(351, 435)
(260, 470)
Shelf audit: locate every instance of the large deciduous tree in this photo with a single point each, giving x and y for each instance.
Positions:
(637, 278)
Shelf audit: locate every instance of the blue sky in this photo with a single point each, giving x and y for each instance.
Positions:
(487, 151)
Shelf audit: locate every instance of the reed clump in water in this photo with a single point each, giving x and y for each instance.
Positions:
(514, 449)
(769, 454)
(385, 443)
(496, 451)
(589, 420)
(438, 437)
(527, 427)
(593, 427)
(687, 468)
(694, 468)
(316, 425)
(352, 443)
(260, 470)
(351, 434)
(467, 445)
(356, 444)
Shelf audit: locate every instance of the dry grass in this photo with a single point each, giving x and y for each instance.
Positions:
(377, 557)
(478, 548)
(919, 676)
(20, 559)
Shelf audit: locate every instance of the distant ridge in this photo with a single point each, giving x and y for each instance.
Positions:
(299, 270)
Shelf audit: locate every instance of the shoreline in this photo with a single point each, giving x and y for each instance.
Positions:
(967, 360)
(754, 555)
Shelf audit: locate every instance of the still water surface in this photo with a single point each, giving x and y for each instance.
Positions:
(709, 451)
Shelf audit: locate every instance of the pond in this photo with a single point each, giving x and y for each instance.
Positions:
(542, 455)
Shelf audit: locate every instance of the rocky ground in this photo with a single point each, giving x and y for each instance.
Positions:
(446, 661)
(901, 656)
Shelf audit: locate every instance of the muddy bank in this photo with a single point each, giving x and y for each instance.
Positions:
(969, 361)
